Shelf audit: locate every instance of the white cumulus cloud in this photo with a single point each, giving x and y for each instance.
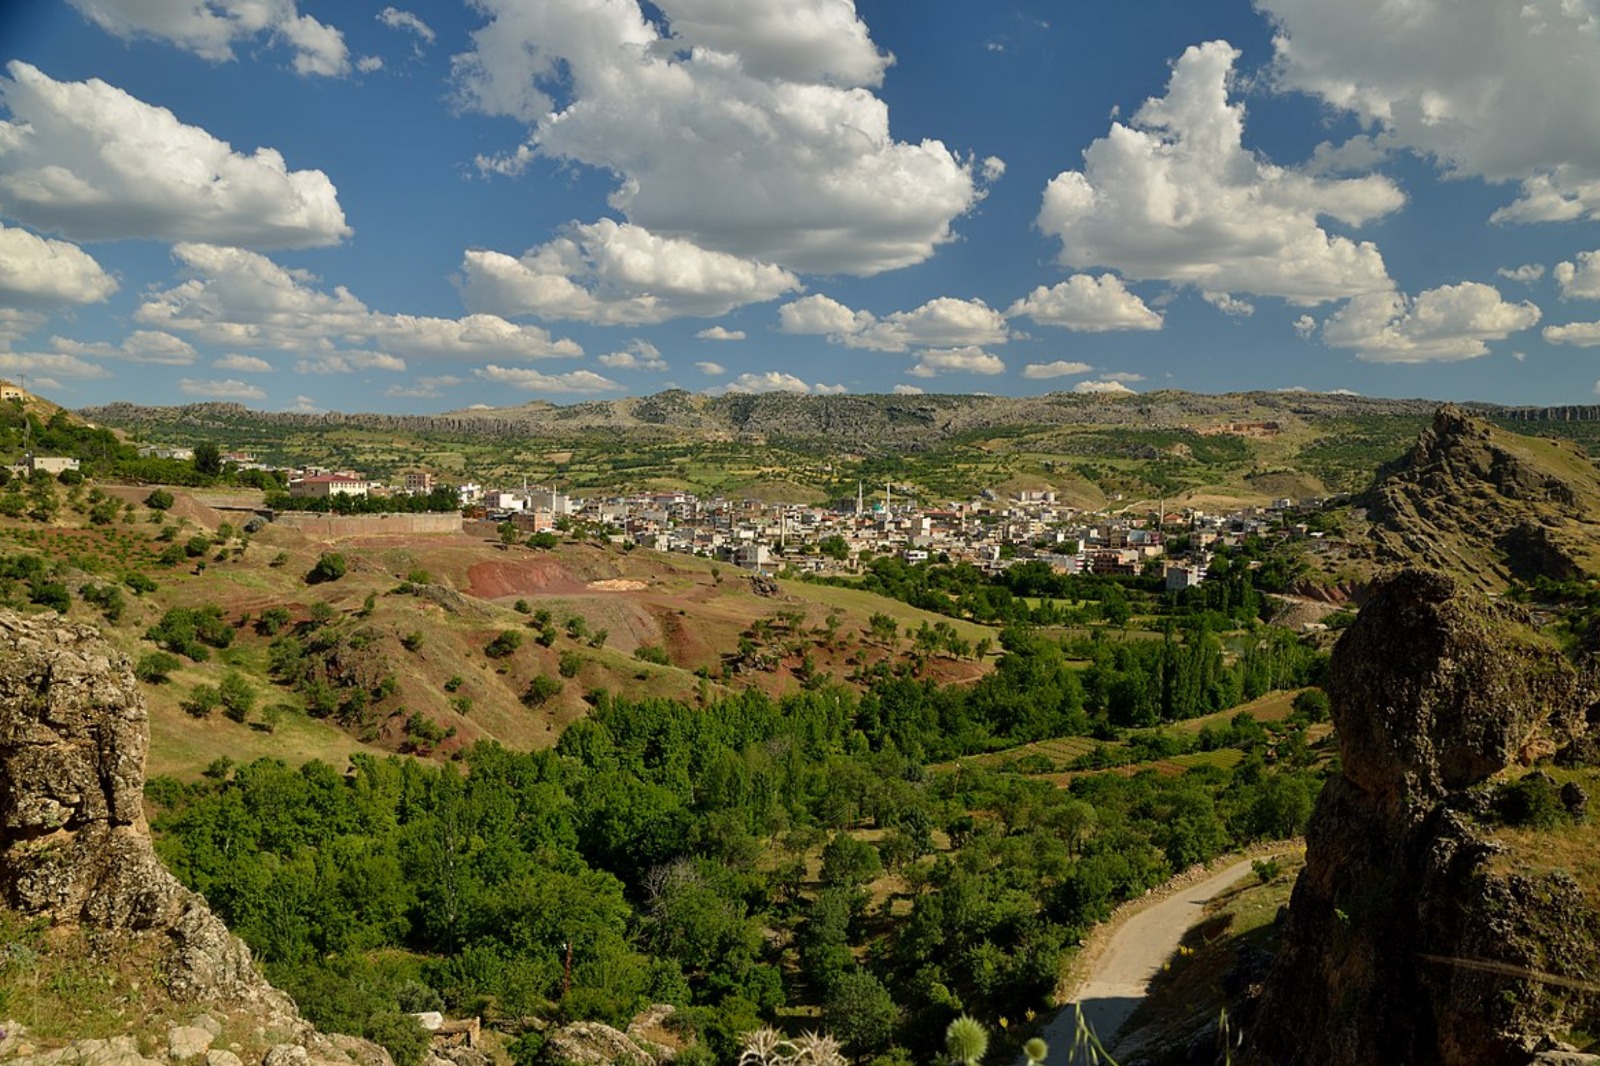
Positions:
(17, 323)
(247, 364)
(770, 381)
(1445, 324)
(1174, 195)
(37, 271)
(94, 163)
(1087, 304)
(617, 274)
(1060, 368)
(1580, 280)
(1527, 273)
(241, 299)
(720, 333)
(968, 360)
(1110, 387)
(57, 363)
(1229, 304)
(1576, 334)
(639, 355)
(708, 367)
(908, 390)
(396, 19)
(140, 346)
(426, 388)
(1490, 89)
(574, 381)
(210, 28)
(350, 363)
(944, 321)
(746, 128)
(228, 389)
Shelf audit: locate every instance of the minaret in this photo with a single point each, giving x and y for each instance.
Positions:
(859, 505)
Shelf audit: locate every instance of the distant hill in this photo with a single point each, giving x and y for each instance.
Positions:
(1488, 505)
(867, 422)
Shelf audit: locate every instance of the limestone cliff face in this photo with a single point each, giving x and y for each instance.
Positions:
(73, 844)
(1405, 941)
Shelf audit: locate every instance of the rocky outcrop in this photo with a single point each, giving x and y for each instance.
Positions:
(1486, 505)
(74, 847)
(1407, 940)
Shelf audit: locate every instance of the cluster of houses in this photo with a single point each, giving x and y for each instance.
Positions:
(988, 531)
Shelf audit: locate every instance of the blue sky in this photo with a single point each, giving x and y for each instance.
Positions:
(436, 204)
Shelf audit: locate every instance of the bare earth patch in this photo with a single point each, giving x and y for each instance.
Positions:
(617, 584)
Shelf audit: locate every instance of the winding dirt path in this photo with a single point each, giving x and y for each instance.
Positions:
(1134, 953)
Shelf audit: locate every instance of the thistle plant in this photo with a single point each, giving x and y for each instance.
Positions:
(966, 1040)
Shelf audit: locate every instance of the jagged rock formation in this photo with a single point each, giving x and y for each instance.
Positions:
(1487, 505)
(867, 423)
(1407, 939)
(74, 848)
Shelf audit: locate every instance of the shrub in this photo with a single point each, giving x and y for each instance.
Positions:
(203, 699)
(188, 631)
(156, 667)
(570, 663)
(521, 607)
(272, 620)
(504, 645)
(1313, 704)
(455, 682)
(1533, 800)
(139, 583)
(52, 594)
(540, 689)
(652, 653)
(106, 597)
(598, 639)
(412, 640)
(237, 696)
(330, 567)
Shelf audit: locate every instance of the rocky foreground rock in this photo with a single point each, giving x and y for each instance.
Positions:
(74, 849)
(1410, 938)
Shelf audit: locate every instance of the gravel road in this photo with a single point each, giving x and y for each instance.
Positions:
(1136, 952)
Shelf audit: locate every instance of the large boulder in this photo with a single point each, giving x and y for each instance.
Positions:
(74, 847)
(1406, 941)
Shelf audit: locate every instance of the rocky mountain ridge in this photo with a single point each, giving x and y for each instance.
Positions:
(1489, 506)
(865, 421)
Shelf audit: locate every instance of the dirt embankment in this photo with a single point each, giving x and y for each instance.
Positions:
(521, 577)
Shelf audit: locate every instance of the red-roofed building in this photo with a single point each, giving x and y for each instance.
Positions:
(329, 485)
